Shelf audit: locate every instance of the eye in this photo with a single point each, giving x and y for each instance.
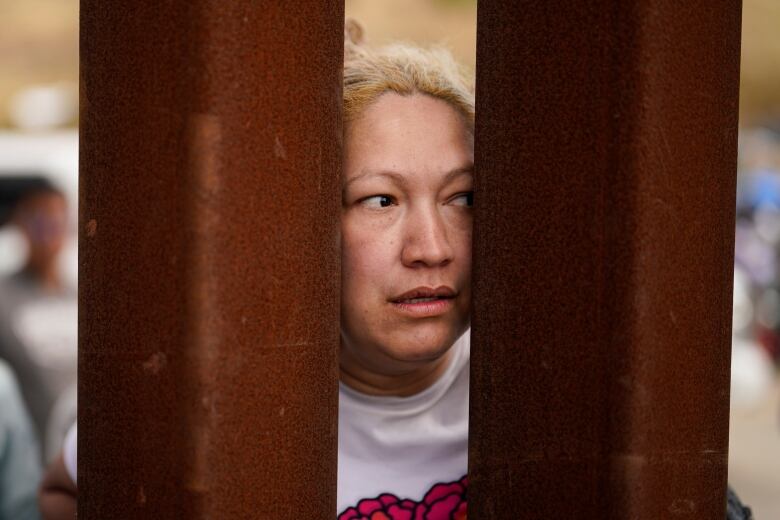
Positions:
(377, 201)
(463, 199)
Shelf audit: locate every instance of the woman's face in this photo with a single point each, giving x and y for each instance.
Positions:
(406, 232)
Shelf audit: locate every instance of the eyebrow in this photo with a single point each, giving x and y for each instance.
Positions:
(466, 169)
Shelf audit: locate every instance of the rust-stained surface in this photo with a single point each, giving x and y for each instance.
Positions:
(210, 158)
(606, 159)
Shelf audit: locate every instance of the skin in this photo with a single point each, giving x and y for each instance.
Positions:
(406, 222)
(57, 494)
(42, 219)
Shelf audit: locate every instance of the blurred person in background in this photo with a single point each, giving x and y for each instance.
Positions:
(756, 317)
(20, 469)
(38, 314)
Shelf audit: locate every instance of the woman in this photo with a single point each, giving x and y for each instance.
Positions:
(406, 283)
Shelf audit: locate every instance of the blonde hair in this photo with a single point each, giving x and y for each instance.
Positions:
(405, 70)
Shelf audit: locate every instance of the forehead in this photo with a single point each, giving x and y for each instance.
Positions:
(408, 134)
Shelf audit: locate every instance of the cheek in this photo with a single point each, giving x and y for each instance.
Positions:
(461, 231)
(464, 276)
(366, 259)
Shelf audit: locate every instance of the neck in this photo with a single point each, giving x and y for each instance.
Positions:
(47, 275)
(408, 380)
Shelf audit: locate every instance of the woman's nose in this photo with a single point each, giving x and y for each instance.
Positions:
(426, 242)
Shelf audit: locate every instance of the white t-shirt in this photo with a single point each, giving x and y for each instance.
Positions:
(407, 453)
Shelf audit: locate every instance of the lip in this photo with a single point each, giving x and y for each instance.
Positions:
(425, 302)
(442, 291)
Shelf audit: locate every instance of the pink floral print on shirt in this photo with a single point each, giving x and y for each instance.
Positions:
(445, 501)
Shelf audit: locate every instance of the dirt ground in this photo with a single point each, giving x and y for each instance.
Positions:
(754, 455)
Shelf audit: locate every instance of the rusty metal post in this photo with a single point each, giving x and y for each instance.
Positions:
(210, 159)
(606, 160)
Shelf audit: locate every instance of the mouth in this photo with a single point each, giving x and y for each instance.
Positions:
(425, 302)
(425, 295)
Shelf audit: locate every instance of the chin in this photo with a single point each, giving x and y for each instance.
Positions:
(424, 342)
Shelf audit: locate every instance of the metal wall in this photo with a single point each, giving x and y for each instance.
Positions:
(606, 161)
(210, 157)
(209, 261)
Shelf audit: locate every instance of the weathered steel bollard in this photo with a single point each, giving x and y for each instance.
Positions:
(606, 143)
(210, 163)
(606, 161)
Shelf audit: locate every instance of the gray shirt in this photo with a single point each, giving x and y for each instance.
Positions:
(38, 339)
(20, 470)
